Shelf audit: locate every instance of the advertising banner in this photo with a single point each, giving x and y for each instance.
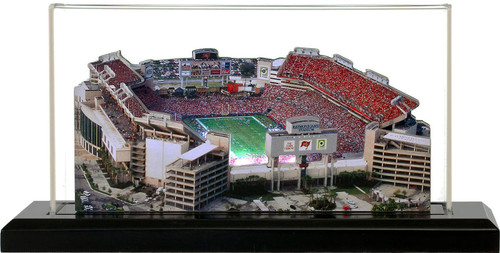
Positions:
(263, 72)
(305, 145)
(289, 146)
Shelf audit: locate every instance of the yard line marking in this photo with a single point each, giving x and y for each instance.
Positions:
(259, 122)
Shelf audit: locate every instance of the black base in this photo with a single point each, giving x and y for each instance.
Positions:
(471, 227)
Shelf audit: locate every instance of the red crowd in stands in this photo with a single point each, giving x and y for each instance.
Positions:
(350, 128)
(283, 103)
(134, 107)
(214, 104)
(123, 73)
(349, 87)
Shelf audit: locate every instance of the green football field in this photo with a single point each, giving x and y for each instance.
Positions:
(248, 133)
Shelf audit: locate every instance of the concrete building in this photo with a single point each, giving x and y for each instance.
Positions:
(199, 175)
(150, 149)
(399, 159)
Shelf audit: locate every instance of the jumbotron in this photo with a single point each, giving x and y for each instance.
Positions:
(195, 125)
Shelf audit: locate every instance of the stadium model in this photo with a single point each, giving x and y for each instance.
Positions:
(301, 133)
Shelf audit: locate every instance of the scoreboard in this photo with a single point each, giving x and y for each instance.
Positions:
(301, 137)
(205, 53)
(205, 56)
(282, 143)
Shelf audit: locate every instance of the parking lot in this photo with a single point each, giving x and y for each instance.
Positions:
(98, 199)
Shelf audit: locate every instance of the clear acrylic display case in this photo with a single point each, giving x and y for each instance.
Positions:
(409, 44)
(95, 47)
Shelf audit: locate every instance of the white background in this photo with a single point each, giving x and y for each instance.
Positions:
(24, 170)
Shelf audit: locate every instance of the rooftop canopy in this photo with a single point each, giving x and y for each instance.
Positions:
(197, 152)
(408, 139)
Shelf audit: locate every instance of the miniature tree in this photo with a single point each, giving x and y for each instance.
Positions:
(307, 181)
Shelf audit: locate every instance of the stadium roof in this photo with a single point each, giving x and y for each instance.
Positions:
(408, 139)
(197, 152)
(278, 62)
(107, 126)
(91, 114)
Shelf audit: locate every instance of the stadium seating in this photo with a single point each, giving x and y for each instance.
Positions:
(351, 129)
(123, 73)
(134, 107)
(149, 98)
(214, 104)
(283, 104)
(279, 103)
(115, 113)
(349, 87)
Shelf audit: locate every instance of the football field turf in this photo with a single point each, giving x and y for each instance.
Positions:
(248, 133)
